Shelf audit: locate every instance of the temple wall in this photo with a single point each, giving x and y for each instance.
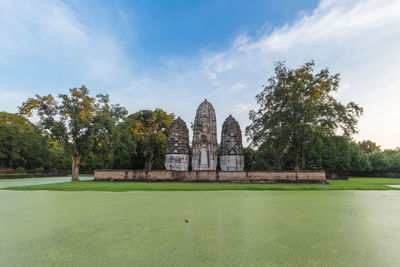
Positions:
(205, 160)
(177, 162)
(232, 162)
(213, 176)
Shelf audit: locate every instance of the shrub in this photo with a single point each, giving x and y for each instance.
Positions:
(20, 170)
(39, 170)
(53, 170)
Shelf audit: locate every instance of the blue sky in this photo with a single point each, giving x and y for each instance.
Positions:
(151, 30)
(173, 54)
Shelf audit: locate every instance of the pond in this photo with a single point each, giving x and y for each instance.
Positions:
(210, 228)
(32, 181)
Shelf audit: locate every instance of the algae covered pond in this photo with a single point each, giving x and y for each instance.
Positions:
(224, 228)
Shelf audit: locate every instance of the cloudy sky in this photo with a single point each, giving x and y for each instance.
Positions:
(173, 54)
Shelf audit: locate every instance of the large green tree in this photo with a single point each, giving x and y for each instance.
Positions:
(298, 106)
(144, 134)
(22, 144)
(78, 121)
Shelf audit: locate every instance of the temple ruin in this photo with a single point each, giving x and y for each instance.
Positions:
(231, 153)
(177, 155)
(205, 156)
(205, 144)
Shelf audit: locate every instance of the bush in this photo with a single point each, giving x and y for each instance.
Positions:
(53, 170)
(260, 165)
(379, 161)
(20, 170)
(39, 170)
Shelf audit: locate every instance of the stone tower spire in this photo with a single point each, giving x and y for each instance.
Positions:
(205, 145)
(177, 154)
(231, 154)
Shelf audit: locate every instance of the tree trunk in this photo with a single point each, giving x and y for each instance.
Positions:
(148, 165)
(296, 161)
(75, 167)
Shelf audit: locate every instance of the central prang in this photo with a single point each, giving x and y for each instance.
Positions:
(205, 144)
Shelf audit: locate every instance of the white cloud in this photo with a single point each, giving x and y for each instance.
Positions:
(212, 75)
(242, 108)
(49, 34)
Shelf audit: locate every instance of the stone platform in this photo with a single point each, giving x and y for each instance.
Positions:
(211, 176)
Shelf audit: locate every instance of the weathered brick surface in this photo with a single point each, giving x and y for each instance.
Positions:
(167, 175)
(232, 176)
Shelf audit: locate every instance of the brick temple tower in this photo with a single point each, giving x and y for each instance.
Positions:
(231, 154)
(205, 145)
(177, 155)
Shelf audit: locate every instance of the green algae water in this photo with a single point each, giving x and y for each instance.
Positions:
(223, 228)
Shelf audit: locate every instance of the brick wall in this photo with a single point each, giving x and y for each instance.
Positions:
(187, 176)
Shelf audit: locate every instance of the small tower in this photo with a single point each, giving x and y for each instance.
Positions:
(205, 144)
(231, 153)
(177, 156)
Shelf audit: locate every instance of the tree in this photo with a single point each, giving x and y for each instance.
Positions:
(297, 106)
(21, 143)
(249, 155)
(379, 161)
(77, 122)
(260, 164)
(369, 147)
(274, 149)
(145, 131)
(337, 153)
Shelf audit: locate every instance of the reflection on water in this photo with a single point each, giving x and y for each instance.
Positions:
(353, 228)
(394, 186)
(32, 181)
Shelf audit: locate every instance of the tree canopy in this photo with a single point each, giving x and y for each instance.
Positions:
(22, 143)
(78, 121)
(296, 108)
(144, 132)
(369, 146)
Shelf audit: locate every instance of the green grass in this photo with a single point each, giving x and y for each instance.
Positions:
(351, 184)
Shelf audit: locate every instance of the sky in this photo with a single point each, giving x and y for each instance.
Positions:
(174, 54)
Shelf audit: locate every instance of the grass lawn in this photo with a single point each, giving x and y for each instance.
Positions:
(351, 184)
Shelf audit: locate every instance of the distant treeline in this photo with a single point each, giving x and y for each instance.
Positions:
(335, 153)
(144, 133)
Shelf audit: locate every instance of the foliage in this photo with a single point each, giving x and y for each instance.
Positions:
(20, 170)
(249, 155)
(297, 107)
(59, 159)
(369, 147)
(337, 153)
(78, 122)
(39, 170)
(260, 164)
(379, 161)
(21, 143)
(144, 138)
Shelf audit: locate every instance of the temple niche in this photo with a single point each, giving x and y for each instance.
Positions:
(231, 153)
(205, 144)
(177, 155)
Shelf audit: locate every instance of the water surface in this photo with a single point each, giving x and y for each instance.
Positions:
(225, 228)
(33, 181)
